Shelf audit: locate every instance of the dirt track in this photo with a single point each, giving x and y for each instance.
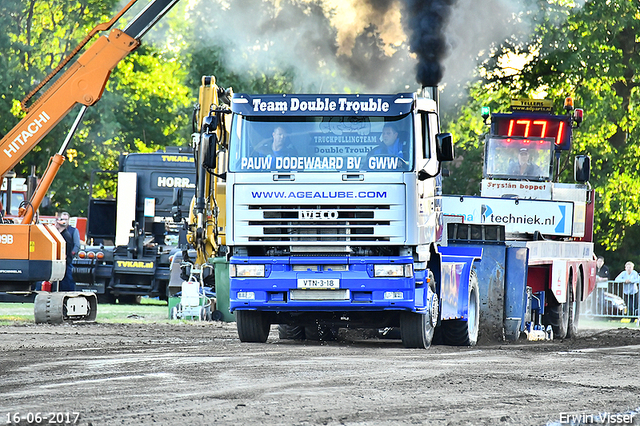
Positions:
(192, 374)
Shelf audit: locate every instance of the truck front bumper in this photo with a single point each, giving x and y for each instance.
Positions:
(341, 283)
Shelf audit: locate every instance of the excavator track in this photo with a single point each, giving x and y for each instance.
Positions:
(60, 307)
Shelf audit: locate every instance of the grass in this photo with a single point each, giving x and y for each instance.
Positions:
(149, 310)
(608, 323)
(153, 310)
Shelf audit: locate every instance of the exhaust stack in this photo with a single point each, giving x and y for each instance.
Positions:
(431, 92)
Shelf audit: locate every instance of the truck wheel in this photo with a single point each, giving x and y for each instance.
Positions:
(321, 333)
(107, 298)
(416, 330)
(557, 315)
(290, 332)
(465, 332)
(129, 299)
(253, 326)
(574, 309)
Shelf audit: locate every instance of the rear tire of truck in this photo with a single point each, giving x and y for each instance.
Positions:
(465, 332)
(557, 314)
(574, 309)
(321, 333)
(290, 332)
(253, 326)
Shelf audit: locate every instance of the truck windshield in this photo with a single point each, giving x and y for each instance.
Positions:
(16, 199)
(311, 144)
(518, 158)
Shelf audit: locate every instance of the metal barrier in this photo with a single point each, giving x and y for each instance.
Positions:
(611, 299)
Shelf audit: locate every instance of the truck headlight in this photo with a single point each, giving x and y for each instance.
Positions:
(397, 270)
(246, 271)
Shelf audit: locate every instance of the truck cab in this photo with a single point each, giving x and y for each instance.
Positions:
(334, 217)
(551, 221)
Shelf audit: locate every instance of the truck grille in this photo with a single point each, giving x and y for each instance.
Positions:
(374, 214)
(347, 223)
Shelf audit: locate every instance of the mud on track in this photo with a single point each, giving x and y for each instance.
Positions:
(200, 374)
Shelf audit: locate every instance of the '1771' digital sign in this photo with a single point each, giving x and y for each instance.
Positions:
(532, 125)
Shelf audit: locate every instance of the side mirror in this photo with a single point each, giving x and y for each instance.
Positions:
(444, 146)
(177, 196)
(176, 210)
(582, 168)
(209, 143)
(210, 123)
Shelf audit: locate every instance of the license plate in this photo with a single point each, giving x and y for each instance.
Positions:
(329, 283)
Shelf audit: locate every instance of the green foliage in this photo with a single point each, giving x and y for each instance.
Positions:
(145, 105)
(593, 54)
(589, 52)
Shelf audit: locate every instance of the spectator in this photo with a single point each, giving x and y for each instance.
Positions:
(596, 299)
(72, 239)
(602, 270)
(630, 278)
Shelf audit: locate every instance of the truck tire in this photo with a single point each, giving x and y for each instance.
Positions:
(321, 333)
(416, 330)
(574, 309)
(557, 314)
(107, 299)
(253, 326)
(290, 332)
(465, 332)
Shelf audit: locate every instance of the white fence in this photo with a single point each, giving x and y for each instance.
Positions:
(613, 299)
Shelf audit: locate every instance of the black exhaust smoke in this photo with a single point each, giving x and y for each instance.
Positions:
(425, 22)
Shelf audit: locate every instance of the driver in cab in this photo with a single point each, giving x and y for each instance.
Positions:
(523, 166)
(391, 145)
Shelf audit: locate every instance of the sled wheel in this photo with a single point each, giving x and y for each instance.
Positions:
(465, 332)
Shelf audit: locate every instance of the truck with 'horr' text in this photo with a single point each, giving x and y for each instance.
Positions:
(334, 218)
(132, 237)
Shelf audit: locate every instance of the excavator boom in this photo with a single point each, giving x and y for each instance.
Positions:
(32, 252)
(83, 83)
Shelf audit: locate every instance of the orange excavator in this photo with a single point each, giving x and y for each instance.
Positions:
(31, 252)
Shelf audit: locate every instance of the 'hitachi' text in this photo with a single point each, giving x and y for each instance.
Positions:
(30, 130)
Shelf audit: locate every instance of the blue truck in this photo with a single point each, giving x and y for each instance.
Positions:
(335, 218)
(131, 239)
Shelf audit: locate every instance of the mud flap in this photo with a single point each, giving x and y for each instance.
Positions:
(491, 282)
(516, 298)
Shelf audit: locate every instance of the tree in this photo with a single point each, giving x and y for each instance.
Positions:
(145, 104)
(592, 54)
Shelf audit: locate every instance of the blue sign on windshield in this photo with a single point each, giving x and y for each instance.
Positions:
(323, 105)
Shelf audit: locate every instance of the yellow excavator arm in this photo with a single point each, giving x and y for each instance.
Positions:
(207, 218)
